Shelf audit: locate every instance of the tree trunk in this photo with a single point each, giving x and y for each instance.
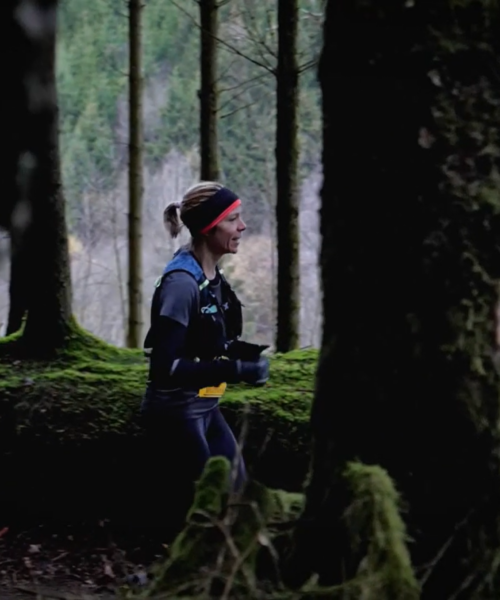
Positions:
(209, 95)
(135, 178)
(49, 298)
(287, 198)
(19, 288)
(16, 119)
(410, 261)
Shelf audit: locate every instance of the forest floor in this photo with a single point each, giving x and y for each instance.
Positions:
(60, 415)
(88, 563)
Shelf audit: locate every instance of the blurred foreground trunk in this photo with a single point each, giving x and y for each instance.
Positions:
(410, 263)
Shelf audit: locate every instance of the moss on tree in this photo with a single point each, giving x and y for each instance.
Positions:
(230, 547)
(377, 536)
(217, 551)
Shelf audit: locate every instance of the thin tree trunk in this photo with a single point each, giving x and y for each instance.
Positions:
(119, 273)
(287, 197)
(410, 260)
(209, 95)
(135, 178)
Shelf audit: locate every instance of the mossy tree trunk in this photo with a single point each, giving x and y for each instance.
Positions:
(48, 276)
(287, 197)
(135, 178)
(209, 93)
(410, 262)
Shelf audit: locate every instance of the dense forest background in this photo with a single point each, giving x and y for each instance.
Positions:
(92, 64)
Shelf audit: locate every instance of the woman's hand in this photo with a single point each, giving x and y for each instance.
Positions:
(253, 372)
(239, 350)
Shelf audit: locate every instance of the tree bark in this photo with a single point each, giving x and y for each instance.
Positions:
(15, 119)
(18, 284)
(134, 331)
(46, 241)
(410, 263)
(287, 199)
(209, 94)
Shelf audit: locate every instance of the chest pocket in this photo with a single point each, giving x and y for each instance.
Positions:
(211, 326)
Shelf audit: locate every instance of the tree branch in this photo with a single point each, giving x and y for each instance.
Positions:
(260, 39)
(229, 114)
(305, 66)
(225, 71)
(268, 68)
(232, 98)
(251, 80)
(226, 44)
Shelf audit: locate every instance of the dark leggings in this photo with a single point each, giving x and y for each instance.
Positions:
(180, 446)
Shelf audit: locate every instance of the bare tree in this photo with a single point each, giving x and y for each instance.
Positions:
(287, 197)
(209, 93)
(281, 59)
(284, 65)
(135, 177)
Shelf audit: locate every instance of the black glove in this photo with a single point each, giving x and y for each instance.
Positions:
(239, 350)
(253, 372)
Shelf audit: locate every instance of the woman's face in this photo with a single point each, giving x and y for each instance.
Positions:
(225, 236)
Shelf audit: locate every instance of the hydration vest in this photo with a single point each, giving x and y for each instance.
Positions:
(217, 323)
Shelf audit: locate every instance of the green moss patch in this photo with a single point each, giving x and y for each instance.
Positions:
(377, 533)
(228, 547)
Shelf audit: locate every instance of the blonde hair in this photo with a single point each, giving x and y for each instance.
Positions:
(194, 196)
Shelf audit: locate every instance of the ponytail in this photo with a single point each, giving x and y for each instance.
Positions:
(171, 219)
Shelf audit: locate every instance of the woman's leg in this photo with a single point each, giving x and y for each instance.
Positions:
(222, 442)
(178, 452)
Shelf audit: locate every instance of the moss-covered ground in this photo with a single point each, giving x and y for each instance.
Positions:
(72, 449)
(70, 432)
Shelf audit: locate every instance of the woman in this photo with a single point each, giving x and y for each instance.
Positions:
(193, 343)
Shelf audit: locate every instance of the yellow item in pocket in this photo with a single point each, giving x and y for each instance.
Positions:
(212, 392)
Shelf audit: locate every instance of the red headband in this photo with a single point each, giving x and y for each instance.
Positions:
(222, 216)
